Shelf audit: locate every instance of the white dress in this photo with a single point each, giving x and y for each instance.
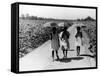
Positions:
(63, 43)
(78, 41)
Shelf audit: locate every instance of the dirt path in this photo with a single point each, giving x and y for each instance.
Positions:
(40, 58)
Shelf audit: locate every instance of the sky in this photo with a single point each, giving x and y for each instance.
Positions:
(56, 12)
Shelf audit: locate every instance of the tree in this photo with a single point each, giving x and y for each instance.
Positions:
(27, 16)
(89, 19)
(22, 16)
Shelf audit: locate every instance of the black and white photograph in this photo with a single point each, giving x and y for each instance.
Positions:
(55, 38)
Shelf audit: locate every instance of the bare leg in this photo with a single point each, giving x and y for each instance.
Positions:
(63, 51)
(57, 54)
(66, 53)
(68, 45)
(53, 55)
(78, 50)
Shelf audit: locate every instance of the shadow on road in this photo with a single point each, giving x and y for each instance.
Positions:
(87, 55)
(66, 60)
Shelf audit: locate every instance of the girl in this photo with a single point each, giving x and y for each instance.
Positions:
(54, 41)
(78, 40)
(65, 41)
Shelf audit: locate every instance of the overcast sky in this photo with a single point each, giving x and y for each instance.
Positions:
(56, 12)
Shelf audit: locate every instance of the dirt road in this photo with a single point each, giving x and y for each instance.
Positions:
(40, 58)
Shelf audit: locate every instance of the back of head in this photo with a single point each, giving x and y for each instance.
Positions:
(78, 28)
(54, 30)
(65, 27)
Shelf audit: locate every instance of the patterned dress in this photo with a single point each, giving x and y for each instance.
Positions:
(55, 41)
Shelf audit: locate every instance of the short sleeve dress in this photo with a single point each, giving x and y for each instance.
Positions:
(55, 42)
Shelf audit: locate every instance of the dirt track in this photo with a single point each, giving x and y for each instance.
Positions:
(40, 58)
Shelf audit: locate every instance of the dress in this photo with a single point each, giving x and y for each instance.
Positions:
(55, 42)
(78, 41)
(64, 44)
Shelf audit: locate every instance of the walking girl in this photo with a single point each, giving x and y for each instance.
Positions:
(54, 41)
(65, 41)
(78, 37)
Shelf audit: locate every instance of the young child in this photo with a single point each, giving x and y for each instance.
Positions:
(78, 40)
(65, 41)
(54, 41)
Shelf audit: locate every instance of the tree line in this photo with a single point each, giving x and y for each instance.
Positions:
(28, 17)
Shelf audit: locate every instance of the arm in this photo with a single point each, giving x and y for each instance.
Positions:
(62, 36)
(76, 35)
